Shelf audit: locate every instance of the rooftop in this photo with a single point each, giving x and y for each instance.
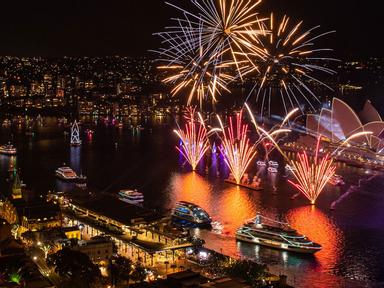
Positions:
(226, 283)
(36, 209)
(113, 208)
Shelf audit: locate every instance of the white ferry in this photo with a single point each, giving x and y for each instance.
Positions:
(131, 196)
(189, 213)
(66, 173)
(275, 235)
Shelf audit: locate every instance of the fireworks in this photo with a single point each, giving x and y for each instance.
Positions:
(204, 45)
(194, 141)
(312, 177)
(290, 69)
(234, 28)
(270, 138)
(191, 67)
(235, 147)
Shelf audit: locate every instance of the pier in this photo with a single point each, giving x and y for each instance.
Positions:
(139, 233)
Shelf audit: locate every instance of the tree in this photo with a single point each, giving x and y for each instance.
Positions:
(139, 274)
(46, 248)
(248, 270)
(121, 269)
(75, 267)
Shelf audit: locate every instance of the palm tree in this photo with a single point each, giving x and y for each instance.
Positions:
(46, 248)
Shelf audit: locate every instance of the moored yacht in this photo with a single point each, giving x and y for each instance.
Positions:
(191, 213)
(131, 196)
(275, 235)
(261, 163)
(273, 163)
(8, 149)
(272, 170)
(66, 173)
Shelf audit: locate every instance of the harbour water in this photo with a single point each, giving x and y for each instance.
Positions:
(113, 158)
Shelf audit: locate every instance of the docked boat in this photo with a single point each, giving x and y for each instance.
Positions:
(191, 213)
(261, 163)
(8, 149)
(272, 170)
(275, 234)
(273, 163)
(131, 196)
(336, 180)
(66, 173)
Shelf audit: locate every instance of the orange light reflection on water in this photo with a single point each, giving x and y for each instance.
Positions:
(232, 205)
(190, 187)
(236, 205)
(317, 226)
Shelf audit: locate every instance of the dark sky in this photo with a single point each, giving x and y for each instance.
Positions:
(125, 27)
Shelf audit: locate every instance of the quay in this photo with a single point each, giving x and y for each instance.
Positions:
(350, 157)
(139, 233)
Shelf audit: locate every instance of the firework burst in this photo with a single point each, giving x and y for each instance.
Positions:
(194, 141)
(291, 67)
(204, 48)
(270, 138)
(231, 26)
(235, 147)
(190, 67)
(312, 176)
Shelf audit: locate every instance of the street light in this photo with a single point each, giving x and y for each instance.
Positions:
(81, 227)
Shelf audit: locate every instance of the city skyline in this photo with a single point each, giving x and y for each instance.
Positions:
(125, 28)
(206, 143)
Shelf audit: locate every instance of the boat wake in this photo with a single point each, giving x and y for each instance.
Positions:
(350, 190)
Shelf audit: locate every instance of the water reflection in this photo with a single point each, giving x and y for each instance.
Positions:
(229, 204)
(75, 159)
(320, 228)
(350, 235)
(190, 187)
(234, 206)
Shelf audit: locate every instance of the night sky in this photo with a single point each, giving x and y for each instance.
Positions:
(125, 27)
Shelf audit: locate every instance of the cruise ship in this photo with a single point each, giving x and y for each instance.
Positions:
(66, 173)
(131, 196)
(191, 214)
(275, 235)
(8, 149)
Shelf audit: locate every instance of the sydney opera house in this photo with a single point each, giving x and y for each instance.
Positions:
(339, 123)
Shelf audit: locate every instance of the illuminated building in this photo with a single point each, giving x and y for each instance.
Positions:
(340, 122)
(97, 249)
(34, 216)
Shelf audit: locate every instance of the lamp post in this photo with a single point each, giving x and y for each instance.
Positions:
(81, 227)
